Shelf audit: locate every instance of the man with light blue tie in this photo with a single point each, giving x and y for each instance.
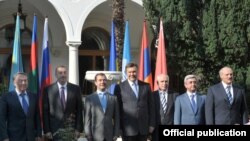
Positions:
(136, 106)
(101, 113)
(190, 106)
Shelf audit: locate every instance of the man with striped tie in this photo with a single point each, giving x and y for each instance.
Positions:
(164, 104)
(226, 102)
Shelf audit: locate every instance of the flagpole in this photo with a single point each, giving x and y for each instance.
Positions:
(33, 74)
(113, 58)
(161, 61)
(17, 64)
(144, 73)
(126, 58)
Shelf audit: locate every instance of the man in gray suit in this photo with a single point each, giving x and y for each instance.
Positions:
(226, 102)
(101, 113)
(62, 107)
(164, 104)
(190, 106)
(136, 106)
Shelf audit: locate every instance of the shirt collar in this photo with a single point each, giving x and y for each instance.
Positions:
(18, 92)
(100, 92)
(164, 92)
(60, 86)
(225, 85)
(190, 94)
(130, 82)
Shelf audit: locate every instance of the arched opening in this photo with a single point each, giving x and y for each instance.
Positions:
(93, 55)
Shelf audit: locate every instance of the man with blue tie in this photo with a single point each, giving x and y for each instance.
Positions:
(190, 106)
(101, 113)
(226, 102)
(136, 106)
(19, 118)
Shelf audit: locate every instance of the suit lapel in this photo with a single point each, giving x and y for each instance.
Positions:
(69, 95)
(16, 100)
(224, 94)
(31, 102)
(169, 102)
(108, 102)
(235, 95)
(97, 100)
(56, 98)
(188, 102)
(198, 102)
(130, 90)
(158, 102)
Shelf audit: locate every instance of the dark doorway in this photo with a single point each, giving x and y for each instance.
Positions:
(92, 53)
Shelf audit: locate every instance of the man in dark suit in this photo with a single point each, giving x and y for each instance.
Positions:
(19, 118)
(226, 102)
(62, 107)
(164, 110)
(101, 113)
(190, 106)
(136, 106)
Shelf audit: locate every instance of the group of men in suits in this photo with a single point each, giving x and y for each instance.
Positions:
(134, 112)
(20, 118)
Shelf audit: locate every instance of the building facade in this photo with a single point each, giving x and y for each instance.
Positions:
(79, 33)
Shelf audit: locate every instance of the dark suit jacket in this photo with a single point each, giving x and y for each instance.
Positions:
(184, 114)
(136, 114)
(14, 124)
(218, 109)
(54, 116)
(169, 116)
(100, 125)
(160, 118)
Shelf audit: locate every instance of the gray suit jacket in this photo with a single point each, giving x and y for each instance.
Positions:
(218, 109)
(54, 116)
(136, 114)
(14, 123)
(99, 125)
(184, 114)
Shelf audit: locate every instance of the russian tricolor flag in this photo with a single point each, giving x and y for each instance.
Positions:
(45, 77)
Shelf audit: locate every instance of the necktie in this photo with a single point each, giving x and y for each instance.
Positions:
(163, 102)
(63, 97)
(229, 95)
(103, 101)
(193, 102)
(24, 103)
(134, 87)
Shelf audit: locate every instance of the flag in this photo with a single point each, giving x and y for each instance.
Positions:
(17, 64)
(126, 58)
(161, 61)
(45, 77)
(145, 73)
(33, 74)
(112, 58)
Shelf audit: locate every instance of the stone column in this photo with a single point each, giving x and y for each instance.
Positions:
(73, 61)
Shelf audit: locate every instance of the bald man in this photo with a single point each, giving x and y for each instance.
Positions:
(225, 102)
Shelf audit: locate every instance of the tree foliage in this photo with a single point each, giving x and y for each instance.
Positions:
(118, 18)
(202, 36)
